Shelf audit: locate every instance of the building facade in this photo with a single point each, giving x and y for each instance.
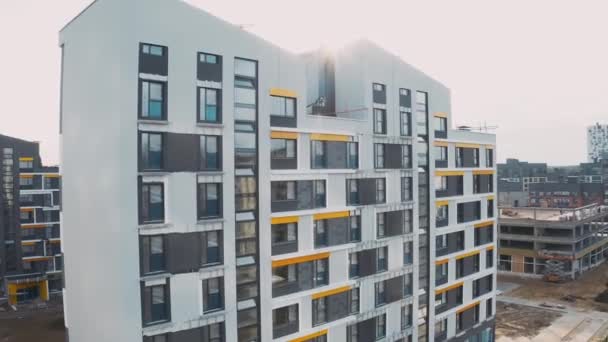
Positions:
(30, 244)
(574, 240)
(597, 142)
(250, 194)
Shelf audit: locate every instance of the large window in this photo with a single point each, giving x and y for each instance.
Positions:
(213, 294)
(209, 101)
(286, 233)
(152, 203)
(379, 121)
(151, 153)
(246, 238)
(318, 154)
(283, 149)
(406, 189)
(352, 155)
(382, 259)
(209, 200)
(441, 156)
(284, 191)
(156, 307)
(380, 326)
(283, 106)
(319, 193)
(441, 183)
(285, 320)
(210, 152)
(211, 248)
(152, 254)
(380, 293)
(152, 100)
(408, 253)
(380, 190)
(406, 156)
(379, 156)
(421, 112)
(490, 208)
(245, 193)
(352, 189)
(380, 225)
(489, 157)
(441, 124)
(406, 316)
(406, 123)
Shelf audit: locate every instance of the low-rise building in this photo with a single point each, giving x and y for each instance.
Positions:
(530, 237)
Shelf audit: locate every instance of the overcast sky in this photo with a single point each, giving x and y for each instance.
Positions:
(537, 69)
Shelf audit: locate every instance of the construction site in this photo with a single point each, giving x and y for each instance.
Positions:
(533, 309)
(552, 243)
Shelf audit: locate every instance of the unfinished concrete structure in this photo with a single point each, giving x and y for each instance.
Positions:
(529, 237)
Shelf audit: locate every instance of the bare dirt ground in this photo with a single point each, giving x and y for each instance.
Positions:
(33, 325)
(581, 293)
(515, 321)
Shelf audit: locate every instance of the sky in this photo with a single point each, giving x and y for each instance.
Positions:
(536, 69)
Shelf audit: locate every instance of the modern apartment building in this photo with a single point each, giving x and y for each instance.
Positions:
(597, 142)
(234, 191)
(574, 240)
(30, 244)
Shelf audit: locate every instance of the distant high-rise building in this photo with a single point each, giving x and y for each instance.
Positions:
(30, 247)
(597, 142)
(219, 188)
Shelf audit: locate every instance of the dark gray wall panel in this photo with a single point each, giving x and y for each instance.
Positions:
(380, 96)
(394, 289)
(367, 262)
(367, 330)
(186, 335)
(284, 164)
(210, 72)
(337, 306)
(337, 230)
(394, 223)
(367, 191)
(305, 195)
(181, 152)
(392, 156)
(151, 64)
(305, 272)
(183, 252)
(336, 155)
(282, 121)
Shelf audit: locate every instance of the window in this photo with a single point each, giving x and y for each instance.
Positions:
(320, 233)
(209, 200)
(246, 241)
(406, 159)
(26, 181)
(378, 87)
(489, 157)
(380, 326)
(152, 254)
(441, 183)
(207, 58)
(319, 154)
(380, 225)
(26, 163)
(283, 149)
(209, 102)
(380, 293)
(406, 316)
(215, 333)
(379, 156)
(151, 151)
(152, 100)
(152, 203)
(442, 215)
(284, 233)
(441, 274)
(352, 333)
(283, 106)
(489, 308)
(441, 327)
(285, 320)
(489, 258)
(441, 154)
(352, 188)
(157, 338)
(406, 189)
(211, 247)
(408, 253)
(382, 261)
(319, 311)
(352, 155)
(213, 294)
(379, 121)
(245, 193)
(321, 272)
(421, 112)
(319, 187)
(244, 67)
(476, 157)
(284, 191)
(354, 300)
(156, 304)
(353, 261)
(441, 242)
(380, 190)
(406, 122)
(153, 50)
(210, 152)
(490, 208)
(459, 157)
(441, 124)
(355, 228)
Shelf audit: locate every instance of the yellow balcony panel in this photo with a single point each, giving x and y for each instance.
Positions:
(283, 92)
(299, 260)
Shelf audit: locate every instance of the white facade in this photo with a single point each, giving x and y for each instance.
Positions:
(597, 142)
(101, 234)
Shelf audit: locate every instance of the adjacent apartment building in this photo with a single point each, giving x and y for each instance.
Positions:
(566, 242)
(219, 188)
(30, 244)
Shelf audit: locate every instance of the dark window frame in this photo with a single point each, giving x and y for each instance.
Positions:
(202, 198)
(218, 105)
(164, 106)
(204, 164)
(221, 294)
(143, 216)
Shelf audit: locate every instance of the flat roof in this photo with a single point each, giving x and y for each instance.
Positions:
(552, 214)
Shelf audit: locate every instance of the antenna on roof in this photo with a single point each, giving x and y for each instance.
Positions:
(245, 26)
(482, 128)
